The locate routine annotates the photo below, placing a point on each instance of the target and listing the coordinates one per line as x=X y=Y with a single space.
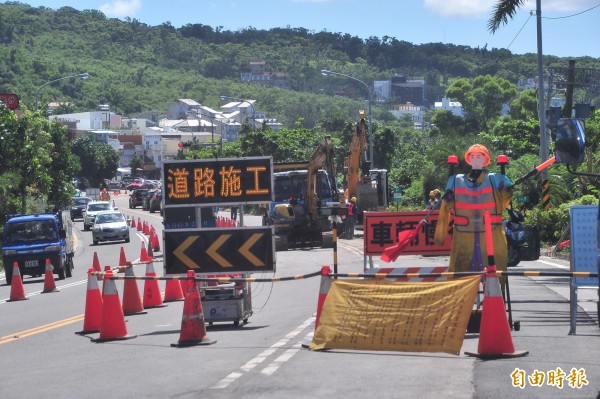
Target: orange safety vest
x=351 y=209
x=470 y=204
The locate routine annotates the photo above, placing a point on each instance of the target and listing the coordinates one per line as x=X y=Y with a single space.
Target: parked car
x=110 y=226
x=156 y=202
x=146 y=199
x=91 y=210
x=79 y=204
x=136 y=196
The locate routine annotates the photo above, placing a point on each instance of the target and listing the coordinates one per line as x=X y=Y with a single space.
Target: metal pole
x=84 y=75
x=541 y=107
x=328 y=72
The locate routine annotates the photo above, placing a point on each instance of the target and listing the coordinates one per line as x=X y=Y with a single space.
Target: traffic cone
x=112 y=326
x=143 y=254
x=495 y=338
x=149 y=250
x=152 y=295
x=323 y=291
x=17 y=291
x=96 y=266
x=133 y=223
x=173 y=291
x=107 y=269
x=155 y=242
x=49 y=284
x=193 y=328
x=123 y=261
x=146 y=230
x=93 y=306
x=139 y=225
x=132 y=302
x=114 y=206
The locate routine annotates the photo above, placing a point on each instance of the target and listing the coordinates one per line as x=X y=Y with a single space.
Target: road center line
x=40 y=329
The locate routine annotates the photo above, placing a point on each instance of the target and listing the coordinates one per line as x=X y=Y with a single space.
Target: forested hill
x=137 y=67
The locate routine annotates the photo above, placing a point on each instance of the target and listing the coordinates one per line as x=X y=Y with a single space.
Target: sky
x=570 y=28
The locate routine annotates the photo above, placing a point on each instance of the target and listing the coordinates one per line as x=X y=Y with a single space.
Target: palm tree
x=503 y=10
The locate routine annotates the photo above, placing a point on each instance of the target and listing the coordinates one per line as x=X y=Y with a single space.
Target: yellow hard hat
x=478 y=148
x=353 y=199
x=431 y=193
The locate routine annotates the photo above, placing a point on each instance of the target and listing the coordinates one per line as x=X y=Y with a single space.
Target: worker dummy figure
x=434 y=197
x=468 y=197
x=104 y=195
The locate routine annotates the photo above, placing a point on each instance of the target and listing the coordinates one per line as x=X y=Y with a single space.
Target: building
x=400 y=90
x=447 y=104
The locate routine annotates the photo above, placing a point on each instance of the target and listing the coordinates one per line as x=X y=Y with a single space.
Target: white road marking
x=555 y=264
x=58 y=287
x=269 y=370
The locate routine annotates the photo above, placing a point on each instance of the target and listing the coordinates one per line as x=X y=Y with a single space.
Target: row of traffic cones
x=17 y=290
x=148 y=230
x=226 y=222
x=105 y=314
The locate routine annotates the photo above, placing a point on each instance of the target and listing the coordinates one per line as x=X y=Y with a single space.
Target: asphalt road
x=43 y=357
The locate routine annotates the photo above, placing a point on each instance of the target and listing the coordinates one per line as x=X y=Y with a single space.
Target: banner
x=392 y=316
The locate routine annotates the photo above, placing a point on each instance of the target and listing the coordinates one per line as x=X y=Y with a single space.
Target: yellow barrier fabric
x=396 y=316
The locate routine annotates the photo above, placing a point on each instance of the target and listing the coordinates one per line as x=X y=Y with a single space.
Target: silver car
x=92 y=209
x=110 y=226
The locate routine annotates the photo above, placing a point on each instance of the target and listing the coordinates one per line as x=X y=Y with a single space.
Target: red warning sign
x=381 y=231
x=11 y=100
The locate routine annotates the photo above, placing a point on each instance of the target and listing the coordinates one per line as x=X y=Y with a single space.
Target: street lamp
x=84 y=75
x=212 y=128
x=223 y=98
x=326 y=72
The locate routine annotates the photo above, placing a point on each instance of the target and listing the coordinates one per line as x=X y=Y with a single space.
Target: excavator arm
x=323 y=158
x=356 y=164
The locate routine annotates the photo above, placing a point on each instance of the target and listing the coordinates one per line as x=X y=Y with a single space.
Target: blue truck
x=31 y=239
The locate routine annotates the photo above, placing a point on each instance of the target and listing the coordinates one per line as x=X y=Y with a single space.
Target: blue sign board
x=584 y=243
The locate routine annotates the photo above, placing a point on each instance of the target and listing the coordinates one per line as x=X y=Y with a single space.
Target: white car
x=92 y=209
x=110 y=226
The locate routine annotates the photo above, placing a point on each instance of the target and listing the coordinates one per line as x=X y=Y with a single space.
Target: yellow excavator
x=305 y=194
x=369 y=186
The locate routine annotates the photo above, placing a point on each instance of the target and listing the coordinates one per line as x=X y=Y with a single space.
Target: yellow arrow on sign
x=183 y=257
x=212 y=251
x=245 y=249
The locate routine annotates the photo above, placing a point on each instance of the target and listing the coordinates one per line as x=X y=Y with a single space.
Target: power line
x=573 y=15
x=519 y=32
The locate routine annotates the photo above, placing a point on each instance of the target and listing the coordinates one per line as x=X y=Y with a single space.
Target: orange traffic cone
x=143 y=254
x=193 y=328
x=49 y=284
x=155 y=242
x=173 y=291
x=93 y=306
x=133 y=223
x=96 y=266
x=112 y=326
x=323 y=291
x=152 y=295
x=139 y=225
x=17 y=291
x=495 y=339
x=107 y=269
x=146 y=229
x=149 y=250
x=122 y=260
x=132 y=302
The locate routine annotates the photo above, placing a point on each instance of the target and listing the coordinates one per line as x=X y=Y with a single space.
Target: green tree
x=135 y=164
x=98 y=160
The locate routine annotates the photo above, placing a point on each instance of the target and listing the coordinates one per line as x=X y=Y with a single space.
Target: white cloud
x=121 y=8
x=477 y=8
x=460 y=8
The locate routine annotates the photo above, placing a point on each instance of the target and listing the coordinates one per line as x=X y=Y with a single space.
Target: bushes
x=553 y=222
